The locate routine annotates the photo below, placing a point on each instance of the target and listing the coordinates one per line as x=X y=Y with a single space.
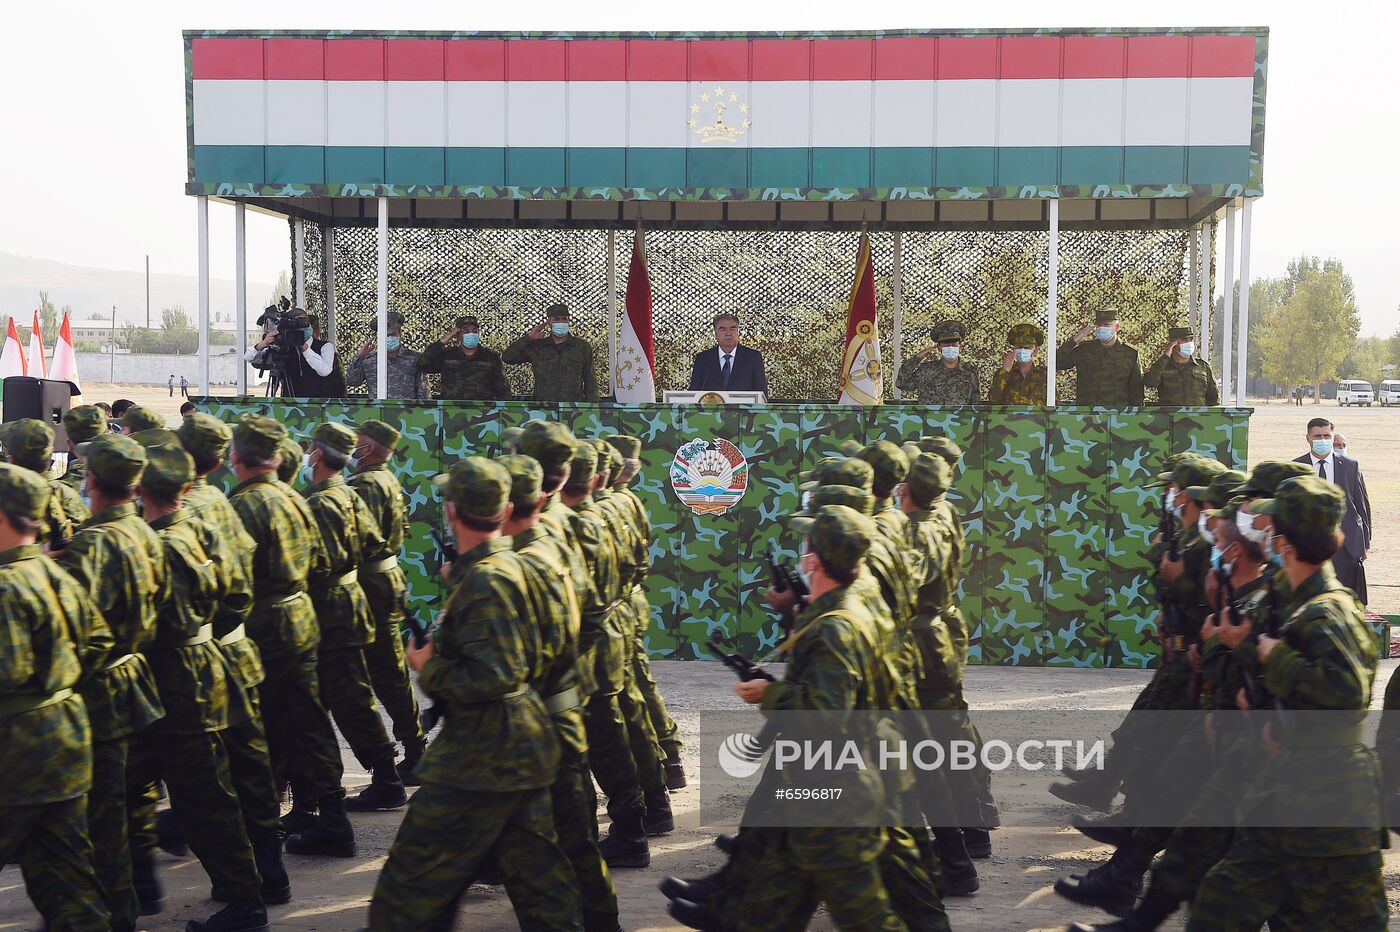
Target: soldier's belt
x=205 y=635
x=379 y=566
x=120 y=661
x=268 y=601
x=344 y=579
x=28 y=702
x=562 y=701
x=234 y=636
x=921 y=623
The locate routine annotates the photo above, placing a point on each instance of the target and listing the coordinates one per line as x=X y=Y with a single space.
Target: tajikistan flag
x=635 y=366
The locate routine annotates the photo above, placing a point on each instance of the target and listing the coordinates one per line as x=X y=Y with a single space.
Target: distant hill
x=91 y=291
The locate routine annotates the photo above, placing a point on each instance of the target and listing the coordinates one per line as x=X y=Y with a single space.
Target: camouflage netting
x=789 y=289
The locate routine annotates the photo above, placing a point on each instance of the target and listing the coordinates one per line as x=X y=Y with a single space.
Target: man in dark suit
x=728 y=367
x=1350 y=559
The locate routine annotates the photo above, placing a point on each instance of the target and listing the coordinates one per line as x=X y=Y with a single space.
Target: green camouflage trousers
x=972 y=789
x=384 y=657
x=1256 y=881
x=51 y=844
x=667 y=734
x=299 y=734
x=196 y=772
x=347 y=694
x=574 y=805
x=610 y=756
x=250 y=770
x=107 y=824
x=908 y=869
x=442 y=841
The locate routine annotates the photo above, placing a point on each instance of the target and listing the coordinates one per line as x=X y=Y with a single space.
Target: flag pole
x=897 y=298
x=612 y=311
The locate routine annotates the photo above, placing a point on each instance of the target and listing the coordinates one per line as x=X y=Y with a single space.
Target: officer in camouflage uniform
x=120 y=562
x=555 y=611
x=347 y=625
x=185 y=748
x=283 y=623
x=405 y=378
x=293 y=457
x=470 y=371
x=1180 y=376
x=667 y=734
x=206 y=439
x=1324 y=659
x=138 y=418
x=1106 y=369
x=1020 y=380
x=80 y=424
x=562 y=364
x=29 y=443
x=946 y=379
x=486 y=777
x=385 y=586
x=53 y=639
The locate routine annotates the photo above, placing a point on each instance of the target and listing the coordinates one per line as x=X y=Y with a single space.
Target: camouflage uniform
x=1104 y=375
x=186 y=748
x=53 y=637
x=29 y=443
x=385 y=585
x=137 y=419
x=119 y=560
x=563 y=371
x=486 y=777
x=1186 y=384
x=404 y=367
x=81 y=424
x=283 y=623
x=478 y=377
x=936 y=383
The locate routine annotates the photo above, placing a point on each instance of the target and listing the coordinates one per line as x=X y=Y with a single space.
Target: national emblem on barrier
x=709 y=479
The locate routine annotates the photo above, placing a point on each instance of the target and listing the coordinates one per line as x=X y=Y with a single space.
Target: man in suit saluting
x=728 y=367
x=1350 y=559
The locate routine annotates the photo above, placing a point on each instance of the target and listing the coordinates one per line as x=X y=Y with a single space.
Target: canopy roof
x=1130 y=127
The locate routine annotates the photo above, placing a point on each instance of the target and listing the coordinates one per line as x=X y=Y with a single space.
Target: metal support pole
x=328 y=241
x=1052 y=301
x=1243 y=332
x=381 y=341
x=612 y=309
x=299 y=262
x=898 y=300
x=1193 y=277
x=148 y=291
x=1227 y=279
x=202 y=229
x=1207 y=287
x=240 y=292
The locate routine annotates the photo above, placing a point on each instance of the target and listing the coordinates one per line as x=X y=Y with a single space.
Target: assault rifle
x=429 y=715
x=746 y=670
x=447 y=548
x=1169 y=530
x=785 y=578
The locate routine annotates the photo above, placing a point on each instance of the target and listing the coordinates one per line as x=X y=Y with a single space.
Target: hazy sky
x=93 y=145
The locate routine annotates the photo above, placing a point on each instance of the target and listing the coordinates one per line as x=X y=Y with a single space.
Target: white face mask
x=802 y=569
x=1171 y=500
x=1206 y=534
x=950 y=353
x=1244 y=521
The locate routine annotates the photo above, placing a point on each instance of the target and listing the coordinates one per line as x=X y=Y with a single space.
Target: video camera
x=292 y=329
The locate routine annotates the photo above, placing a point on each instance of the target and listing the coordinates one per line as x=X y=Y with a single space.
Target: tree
x=177 y=334
x=1364 y=361
x=1305 y=342
x=282 y=288
x=48 y=317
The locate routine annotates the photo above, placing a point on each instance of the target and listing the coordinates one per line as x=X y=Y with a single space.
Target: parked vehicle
x=1389 y=393
x=1355 y=392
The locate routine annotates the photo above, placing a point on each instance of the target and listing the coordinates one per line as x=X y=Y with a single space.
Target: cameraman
x=310 y=363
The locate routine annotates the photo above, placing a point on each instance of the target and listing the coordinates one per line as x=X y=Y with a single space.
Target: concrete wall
x=155 y=368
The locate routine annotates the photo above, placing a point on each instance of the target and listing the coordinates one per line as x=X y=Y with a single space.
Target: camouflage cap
x=605 y=453
x=29 y=441
x=1196 y=470
x=466 y=320
x=851 y=497
x=814 y=474
x=115 y=460
x=168 y=470
x=1267 y=476
x=84 y=422
x=583 y=464
x=889 y=462
x=1222 y=487
x=1178 y=333
x=851 y=471
x=381 y=433
x=204 y=435
x=1104 y=318
x=930 y=476
x=948 y=330
x=839 y=535
x=526 y=477
x=1227 y=510
x=26 y=493
x=138 y=417
x=549 y=443
x=941 y=446
x=476 y=486
x=157 y=437
x=558 y=310
x=629 y=447
x=395 y=322
x=292 y=455
x=1305 y=503
x=1169 y=464
x=338 y=437
x=1025 y=335
x=259 y=434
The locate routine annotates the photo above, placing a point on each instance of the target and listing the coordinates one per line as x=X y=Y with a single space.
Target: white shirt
x=321 y=363
x=1327 y=467
x=723 y=354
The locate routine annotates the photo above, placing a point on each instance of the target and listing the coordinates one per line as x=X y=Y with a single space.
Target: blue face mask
x=308 y=476
x=1103 y=334
x=950 y=353
x=471 y=340
x=1023 y=356
x=1187 y=349
x=1275 y=557
x=559 y=329
x=87 y=499
x=1322 y=446
x=1217 y=558
x=392 y=344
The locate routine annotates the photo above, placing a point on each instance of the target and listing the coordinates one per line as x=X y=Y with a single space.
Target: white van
x=1354 y=392
x=1389 y=393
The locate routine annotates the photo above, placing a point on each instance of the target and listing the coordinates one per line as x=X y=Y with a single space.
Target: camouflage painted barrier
x=1054 y=501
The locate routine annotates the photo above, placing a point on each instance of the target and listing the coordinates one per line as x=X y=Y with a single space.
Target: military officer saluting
x=1106 y=368
x=1180 y=376
x=1020 y=380
x=938 y=374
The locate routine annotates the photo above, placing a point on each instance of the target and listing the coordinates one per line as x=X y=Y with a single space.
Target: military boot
x=303 y=814
x=978 y=842
x=959 y=873
x=412 y=754
x=1103 y=831
x=728 y=842
x=625 y=844
x=331 y=836
x=149 y=894
x=169 y=838
x=692 y=915
x=242 y=916
x=675 y=773
x=276 y=885
x=600 y=922
x=659 y=820
x=1094 y=792
x=384 y=792
x=697 y=891
x=1112 y=887
x=1149 y=915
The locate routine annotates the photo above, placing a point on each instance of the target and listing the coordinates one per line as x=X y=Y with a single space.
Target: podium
x=714 y=398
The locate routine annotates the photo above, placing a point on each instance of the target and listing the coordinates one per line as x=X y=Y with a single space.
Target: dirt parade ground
x=1016 y=891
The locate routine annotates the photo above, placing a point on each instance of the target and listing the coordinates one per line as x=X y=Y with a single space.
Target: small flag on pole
x=65 y=361
x=36 y=351
x=635 y=366
x=12 y=361
x=862 y=382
